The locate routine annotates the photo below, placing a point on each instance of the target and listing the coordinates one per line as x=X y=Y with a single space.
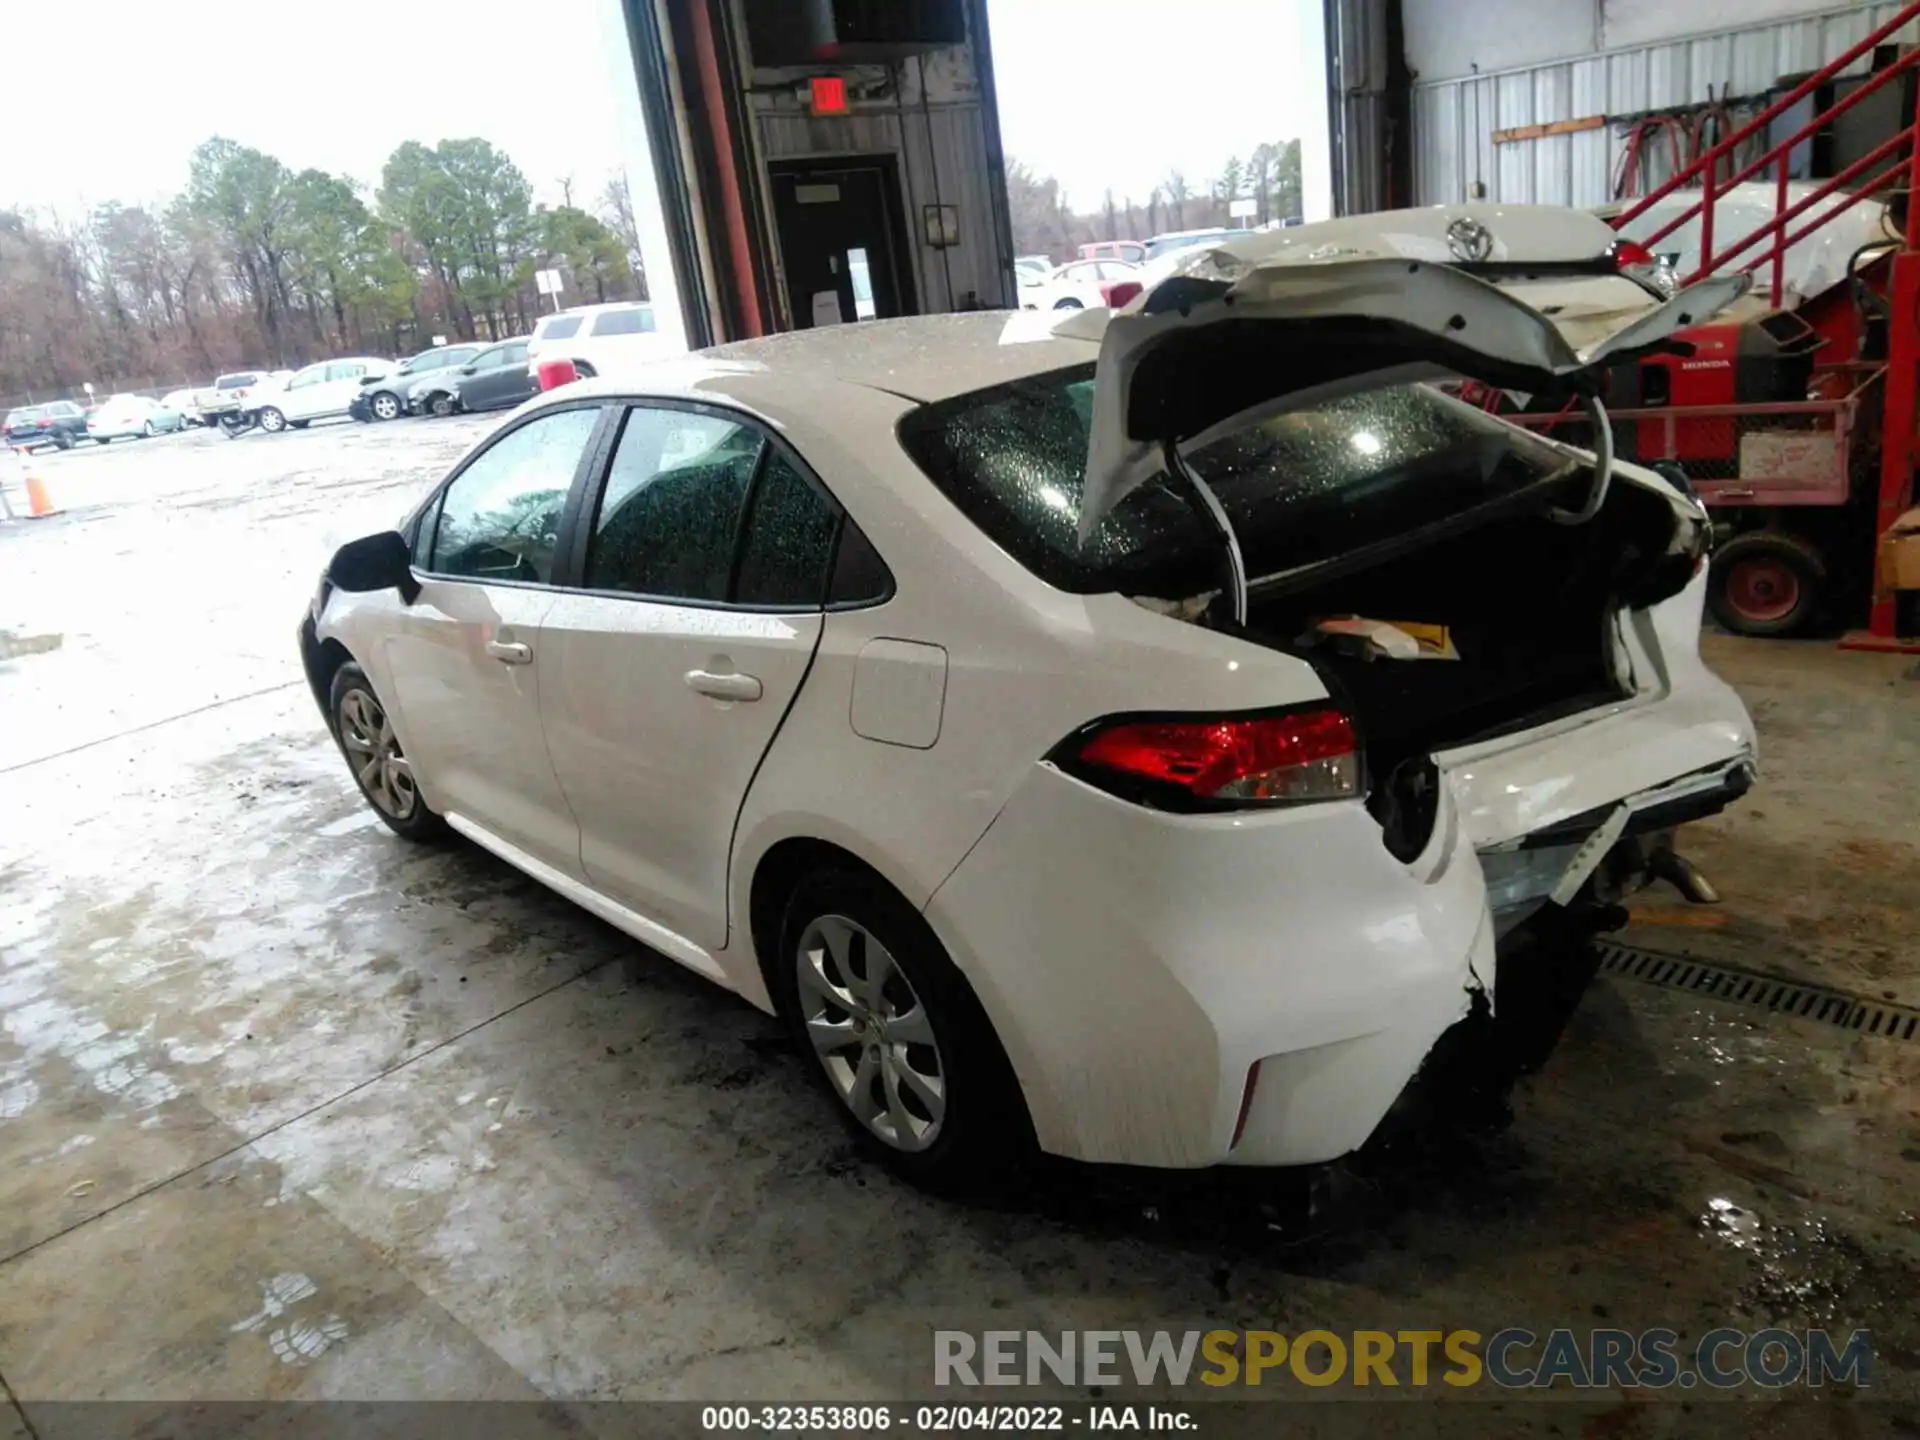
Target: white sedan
x=1103 y=732
x=1080 y=285
x=122 y=417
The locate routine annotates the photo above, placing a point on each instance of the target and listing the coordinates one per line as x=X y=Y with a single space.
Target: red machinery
x=1798 y=428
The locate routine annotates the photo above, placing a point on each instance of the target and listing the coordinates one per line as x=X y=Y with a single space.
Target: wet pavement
x=290 y=1109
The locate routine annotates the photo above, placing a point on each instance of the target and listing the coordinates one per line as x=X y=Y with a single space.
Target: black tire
x=148 y=431
x=385 y=406
x=584 y=370
x=417 y=822
x=299 y=424
x=63 y=442
x=441 y=404
x=984 y=1132
x=271 y=420
x=1068 y=304
x=1767 y=583
x=103 y=439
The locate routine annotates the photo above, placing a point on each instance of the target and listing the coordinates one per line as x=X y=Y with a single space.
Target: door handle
x=510 y=652
x=725 y=687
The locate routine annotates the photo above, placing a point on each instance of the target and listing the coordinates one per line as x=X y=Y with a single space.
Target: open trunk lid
x=1240 y=332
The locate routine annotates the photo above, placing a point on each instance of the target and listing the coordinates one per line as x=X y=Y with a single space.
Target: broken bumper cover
x=1138 y=967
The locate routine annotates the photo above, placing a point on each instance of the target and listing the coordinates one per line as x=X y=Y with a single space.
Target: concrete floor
x=291 y=1109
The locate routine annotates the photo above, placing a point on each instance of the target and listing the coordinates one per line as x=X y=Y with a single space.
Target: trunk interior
x=1527 y=604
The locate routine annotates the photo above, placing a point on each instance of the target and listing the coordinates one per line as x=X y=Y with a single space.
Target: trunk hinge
x=1602 y=466
x=1236 y=562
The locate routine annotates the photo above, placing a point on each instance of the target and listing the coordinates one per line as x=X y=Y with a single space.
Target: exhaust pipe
x=1684 y=876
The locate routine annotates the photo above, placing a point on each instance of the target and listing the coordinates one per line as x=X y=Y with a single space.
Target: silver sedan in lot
x=124 y=417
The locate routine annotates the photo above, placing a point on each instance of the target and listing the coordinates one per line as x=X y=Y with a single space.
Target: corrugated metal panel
x=953 y=166
x=1578 y=169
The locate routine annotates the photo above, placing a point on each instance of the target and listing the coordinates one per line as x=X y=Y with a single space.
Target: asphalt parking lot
x=291 y=1110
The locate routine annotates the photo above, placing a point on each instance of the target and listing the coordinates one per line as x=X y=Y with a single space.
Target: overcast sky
x=1118 y=92
x=1094 y=92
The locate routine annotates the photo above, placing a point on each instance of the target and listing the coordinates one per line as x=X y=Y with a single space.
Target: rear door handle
x=725 y=687
x=510 y=652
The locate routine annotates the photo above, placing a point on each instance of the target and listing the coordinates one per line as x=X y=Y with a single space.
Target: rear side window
x=789 y=540
x=1300 y=487
x=500 y=517
x=670 y=512
x=564 y=327
x=622 y=322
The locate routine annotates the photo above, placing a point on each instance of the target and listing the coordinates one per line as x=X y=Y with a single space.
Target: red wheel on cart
x=1767 y=583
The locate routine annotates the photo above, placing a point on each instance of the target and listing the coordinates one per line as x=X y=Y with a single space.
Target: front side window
x=638 y=321
x=671 y=509
x=500 y=517
x=346 y=370
x=1299 y=487
x=312 y=375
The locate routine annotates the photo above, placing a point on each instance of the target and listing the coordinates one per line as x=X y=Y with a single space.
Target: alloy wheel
x=373 y=750
x=385 y=407
x=871 y=1033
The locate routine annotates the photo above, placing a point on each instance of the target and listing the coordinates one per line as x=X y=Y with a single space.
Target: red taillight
x=44 y=423
x=1630 y=252
x=1293 y=756
x=555 y=373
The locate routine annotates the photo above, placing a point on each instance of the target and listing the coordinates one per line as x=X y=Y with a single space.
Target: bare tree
x=1178 y=193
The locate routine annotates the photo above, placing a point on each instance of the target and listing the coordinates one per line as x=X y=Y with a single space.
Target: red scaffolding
x=1713 y=172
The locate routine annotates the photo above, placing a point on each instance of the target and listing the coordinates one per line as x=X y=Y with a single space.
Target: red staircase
x=1714 y=171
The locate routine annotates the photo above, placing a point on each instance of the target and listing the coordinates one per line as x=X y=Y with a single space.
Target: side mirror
x=469 y=369
x=375 y=562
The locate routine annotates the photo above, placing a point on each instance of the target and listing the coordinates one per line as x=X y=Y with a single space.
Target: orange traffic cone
x=39 y=503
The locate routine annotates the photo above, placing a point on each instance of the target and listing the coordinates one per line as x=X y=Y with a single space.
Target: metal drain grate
x=1745 y=987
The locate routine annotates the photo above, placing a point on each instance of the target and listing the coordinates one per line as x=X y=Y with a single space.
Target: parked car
x=123 y=417
x=495 y=379
x=317 y=392
x=384 y=397
x=229 y=394
x=1134 y=252
x=1159 y=245
x=1036 y=265
x=34 y=427
x=1078 y=285
x=186 y=402
x=596 y=337
x=1098 y=731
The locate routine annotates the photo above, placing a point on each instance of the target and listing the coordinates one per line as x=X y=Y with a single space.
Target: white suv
x=597 y=337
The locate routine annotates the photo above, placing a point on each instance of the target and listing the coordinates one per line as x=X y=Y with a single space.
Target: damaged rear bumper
x=1143 y=968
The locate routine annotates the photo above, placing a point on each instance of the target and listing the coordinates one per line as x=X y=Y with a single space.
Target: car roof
x=921 y=357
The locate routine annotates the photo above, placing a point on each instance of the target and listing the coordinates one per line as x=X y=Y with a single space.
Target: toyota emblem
x=1470 y=241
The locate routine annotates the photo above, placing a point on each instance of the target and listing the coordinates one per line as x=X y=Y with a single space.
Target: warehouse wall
x=940 y=146
x=1447 y=39
x=1454 y=120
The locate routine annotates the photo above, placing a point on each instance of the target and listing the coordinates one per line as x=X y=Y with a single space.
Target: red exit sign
x=827 y=95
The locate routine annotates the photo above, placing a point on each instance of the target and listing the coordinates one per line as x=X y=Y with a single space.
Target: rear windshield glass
x=234 y=382
x=1301 y=487
x=565 y=328
x=623 y=322
x=21 y=417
